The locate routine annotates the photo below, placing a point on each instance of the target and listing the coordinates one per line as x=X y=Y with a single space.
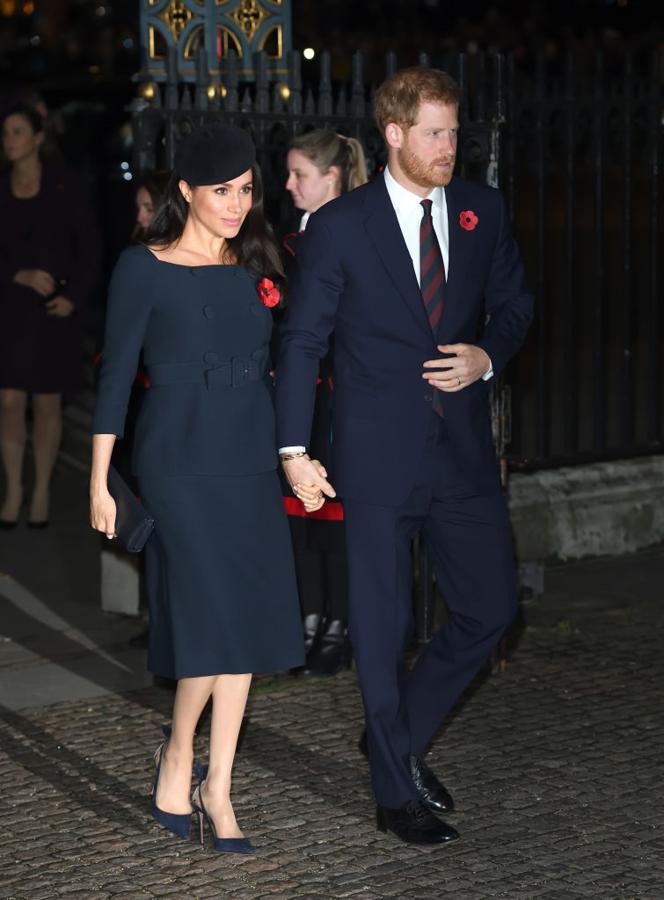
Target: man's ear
x=394 y=135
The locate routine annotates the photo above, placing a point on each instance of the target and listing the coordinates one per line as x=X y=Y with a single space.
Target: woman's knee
x=46 y=406
x=12 y=401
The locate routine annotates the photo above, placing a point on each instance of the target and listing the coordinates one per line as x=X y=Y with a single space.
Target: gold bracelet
x=284 y=457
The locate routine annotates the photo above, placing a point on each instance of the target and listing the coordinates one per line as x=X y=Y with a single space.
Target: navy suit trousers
x=468 y=536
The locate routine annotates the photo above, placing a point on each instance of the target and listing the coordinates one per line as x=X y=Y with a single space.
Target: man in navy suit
x=419 y=278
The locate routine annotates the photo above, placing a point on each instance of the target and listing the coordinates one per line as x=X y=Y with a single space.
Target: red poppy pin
x=269 y=294
x=468 y=220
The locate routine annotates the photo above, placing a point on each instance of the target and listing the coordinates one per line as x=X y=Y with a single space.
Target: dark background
x=80 y=55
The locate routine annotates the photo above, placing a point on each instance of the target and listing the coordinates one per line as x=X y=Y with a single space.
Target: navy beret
x=214 y=154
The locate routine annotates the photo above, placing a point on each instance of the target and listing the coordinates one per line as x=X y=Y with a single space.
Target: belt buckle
x=240 y=371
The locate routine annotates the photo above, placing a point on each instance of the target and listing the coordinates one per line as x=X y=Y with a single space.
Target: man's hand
x=468 y=364
x=59 y=306
x=308 y=480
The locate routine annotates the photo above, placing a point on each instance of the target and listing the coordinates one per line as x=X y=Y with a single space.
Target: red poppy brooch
x=268 y=292
x=468 y=220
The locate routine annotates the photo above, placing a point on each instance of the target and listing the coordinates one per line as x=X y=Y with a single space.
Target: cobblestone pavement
x=556 y=765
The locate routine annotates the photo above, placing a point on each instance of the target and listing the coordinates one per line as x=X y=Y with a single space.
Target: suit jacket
x=355 y=278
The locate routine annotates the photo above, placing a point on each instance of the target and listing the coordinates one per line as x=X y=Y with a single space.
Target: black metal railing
x=582 y=176
x=575 y=145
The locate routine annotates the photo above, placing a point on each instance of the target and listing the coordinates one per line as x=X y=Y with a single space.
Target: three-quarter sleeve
x=127 y=316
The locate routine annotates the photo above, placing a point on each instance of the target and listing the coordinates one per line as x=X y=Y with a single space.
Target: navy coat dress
x=219 y=569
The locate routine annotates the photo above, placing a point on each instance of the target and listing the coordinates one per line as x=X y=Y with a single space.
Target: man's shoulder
x=339 y=209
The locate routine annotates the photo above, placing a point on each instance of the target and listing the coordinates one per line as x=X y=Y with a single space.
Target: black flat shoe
x=332 y=653
x=8 y=524
x=431 y=790
x=414 y=823
x=43 y=524
x=312 y=625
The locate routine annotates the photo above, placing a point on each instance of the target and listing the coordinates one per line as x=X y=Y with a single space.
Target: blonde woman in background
x=322 y=165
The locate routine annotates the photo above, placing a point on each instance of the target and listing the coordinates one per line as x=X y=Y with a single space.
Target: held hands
x=59 y=306
x=468 y=364
x=36 y=279
x=308 y=479
x=102 y=513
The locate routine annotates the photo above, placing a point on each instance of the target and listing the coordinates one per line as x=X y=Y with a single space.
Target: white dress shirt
x=408 y=207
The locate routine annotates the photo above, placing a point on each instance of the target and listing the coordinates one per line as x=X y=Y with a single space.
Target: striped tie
x=432 y=280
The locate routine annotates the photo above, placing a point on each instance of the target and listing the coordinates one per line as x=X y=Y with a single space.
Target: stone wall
x=593 y=510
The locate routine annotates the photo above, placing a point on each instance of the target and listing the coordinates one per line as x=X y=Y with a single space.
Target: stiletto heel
x=222 y=845
x=179 y=824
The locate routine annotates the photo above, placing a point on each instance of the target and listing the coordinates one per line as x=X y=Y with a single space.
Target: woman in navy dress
x=219 y=570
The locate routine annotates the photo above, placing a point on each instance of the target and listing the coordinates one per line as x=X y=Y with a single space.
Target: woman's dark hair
x=254 y=247
x=155 y=183
x=35 y=119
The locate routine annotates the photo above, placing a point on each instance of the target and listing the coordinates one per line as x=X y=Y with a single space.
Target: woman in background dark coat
x=49 y=251
x=322 y=165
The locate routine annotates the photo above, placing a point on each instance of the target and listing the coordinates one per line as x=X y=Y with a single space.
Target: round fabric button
x=209 y=312
x=210 y=357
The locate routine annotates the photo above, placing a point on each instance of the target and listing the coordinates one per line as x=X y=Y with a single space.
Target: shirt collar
x=403 y=200
x=304 y=220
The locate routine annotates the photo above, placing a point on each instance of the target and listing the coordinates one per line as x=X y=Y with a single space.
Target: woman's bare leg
x=46 y=435
x=229 y=698
x=174 y=790
x=12 y=448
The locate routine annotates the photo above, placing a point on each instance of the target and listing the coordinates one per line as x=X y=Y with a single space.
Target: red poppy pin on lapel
x=468 y=220
x=268 y=293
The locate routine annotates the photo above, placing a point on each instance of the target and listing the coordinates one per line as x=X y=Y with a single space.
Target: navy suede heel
x=178 y=824
x=222 y=845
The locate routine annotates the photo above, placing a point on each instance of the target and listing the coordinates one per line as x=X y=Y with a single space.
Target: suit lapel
x=460 y=251
x=383 y=229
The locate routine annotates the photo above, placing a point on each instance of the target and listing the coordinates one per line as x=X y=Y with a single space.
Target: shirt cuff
x=489 y=373
x=294 y=449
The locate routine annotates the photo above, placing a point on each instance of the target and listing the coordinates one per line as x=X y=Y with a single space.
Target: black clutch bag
x=133 y=523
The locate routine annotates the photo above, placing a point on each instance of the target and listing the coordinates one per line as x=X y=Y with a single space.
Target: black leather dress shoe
x=431 y=790
x=435 y=795
x=414 y=823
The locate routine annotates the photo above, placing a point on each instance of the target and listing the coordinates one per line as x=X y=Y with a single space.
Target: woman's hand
x=102 y=513
x=37 y=279
x=59 y=306
x=311 y=494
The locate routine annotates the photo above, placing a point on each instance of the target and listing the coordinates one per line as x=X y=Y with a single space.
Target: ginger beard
x=437 y=173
